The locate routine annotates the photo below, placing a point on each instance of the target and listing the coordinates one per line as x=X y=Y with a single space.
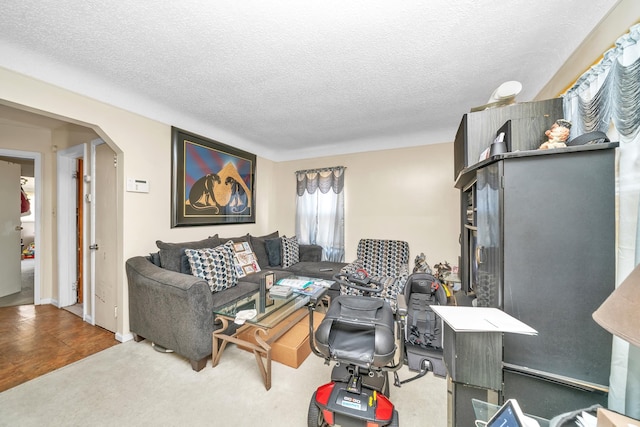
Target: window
x=320 y=210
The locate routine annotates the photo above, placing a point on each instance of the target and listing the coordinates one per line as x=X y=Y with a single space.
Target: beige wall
x=405 y=194
x=602 y=38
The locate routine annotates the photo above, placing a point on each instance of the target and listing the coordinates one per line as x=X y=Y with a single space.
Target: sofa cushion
x=259 y=247
x=258 y=277
x=171 y=253
x=290 y=251
x=215 y=265
x=320 y=270
x=274 y=251
x=310 y=253
x=242 y=289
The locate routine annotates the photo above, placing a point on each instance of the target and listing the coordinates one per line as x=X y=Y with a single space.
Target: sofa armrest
x=172 y=309
x=310 y=253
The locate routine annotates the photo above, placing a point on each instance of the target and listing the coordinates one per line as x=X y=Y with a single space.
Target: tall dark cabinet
x=538 y=241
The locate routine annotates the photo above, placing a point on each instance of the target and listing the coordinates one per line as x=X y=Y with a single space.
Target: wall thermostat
x=137 y=185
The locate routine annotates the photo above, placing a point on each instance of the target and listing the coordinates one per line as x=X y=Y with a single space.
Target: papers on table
x=295 y=283
x=304 y=282
x=481 y=319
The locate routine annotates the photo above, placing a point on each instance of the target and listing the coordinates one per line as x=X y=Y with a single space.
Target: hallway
x=37 y=339
x=25 y=296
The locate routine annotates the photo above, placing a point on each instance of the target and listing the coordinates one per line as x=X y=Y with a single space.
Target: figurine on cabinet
x=558 y=135
x=421 y=265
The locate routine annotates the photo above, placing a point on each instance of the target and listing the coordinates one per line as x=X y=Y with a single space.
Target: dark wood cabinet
x=538 y=241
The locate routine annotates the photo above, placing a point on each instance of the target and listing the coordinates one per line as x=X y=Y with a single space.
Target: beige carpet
x=131 y=384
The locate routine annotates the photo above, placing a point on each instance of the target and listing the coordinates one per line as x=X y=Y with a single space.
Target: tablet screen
x=507 y=416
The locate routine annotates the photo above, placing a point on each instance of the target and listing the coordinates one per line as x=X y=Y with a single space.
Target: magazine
x=310 y=290
x=295 y=283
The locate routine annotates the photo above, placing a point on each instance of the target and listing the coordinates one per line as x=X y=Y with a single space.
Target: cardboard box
x=607 y=418
x=292 y=348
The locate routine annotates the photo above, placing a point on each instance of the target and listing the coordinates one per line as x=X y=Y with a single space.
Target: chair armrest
x=401 y=305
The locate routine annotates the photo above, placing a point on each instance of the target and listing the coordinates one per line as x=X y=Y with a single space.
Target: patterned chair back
x=383 y=257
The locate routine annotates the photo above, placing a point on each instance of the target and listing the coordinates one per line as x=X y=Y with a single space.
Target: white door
x=103 y=241
x=10 y=227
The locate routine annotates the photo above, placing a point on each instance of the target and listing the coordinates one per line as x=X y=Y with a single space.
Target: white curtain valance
x=609 y=91
x=324 y=179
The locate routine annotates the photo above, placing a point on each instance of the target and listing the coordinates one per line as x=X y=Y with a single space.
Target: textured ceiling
x=292 y=79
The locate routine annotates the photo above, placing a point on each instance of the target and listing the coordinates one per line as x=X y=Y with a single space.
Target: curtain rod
x=332 y=168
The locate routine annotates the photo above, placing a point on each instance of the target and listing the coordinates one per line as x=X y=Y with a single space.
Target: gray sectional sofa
x=174 y=309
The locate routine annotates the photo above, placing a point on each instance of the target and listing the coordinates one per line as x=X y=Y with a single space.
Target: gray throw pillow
x=154 y=257
x=259 y=247
x=171 y=253
x=274 y=248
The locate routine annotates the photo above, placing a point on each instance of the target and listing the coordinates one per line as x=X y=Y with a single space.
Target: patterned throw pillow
x=290 y=251
x=215 y=265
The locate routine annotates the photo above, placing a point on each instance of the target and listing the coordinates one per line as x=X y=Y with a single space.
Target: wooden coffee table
x=282 y=312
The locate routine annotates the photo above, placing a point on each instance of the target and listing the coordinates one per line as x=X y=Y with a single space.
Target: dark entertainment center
x=537 y=241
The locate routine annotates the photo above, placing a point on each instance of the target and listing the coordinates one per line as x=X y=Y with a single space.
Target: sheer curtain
x=607 y=98
x=320 y=210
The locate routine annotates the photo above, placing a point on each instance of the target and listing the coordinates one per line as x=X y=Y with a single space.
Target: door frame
x=92 y=226
x=37 y=172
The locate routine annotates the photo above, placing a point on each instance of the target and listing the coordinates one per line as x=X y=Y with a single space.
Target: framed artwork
x=211 y=183
x=269 y=279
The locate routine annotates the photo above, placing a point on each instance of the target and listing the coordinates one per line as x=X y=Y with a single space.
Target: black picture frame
x=269 y=279
x=211 y=183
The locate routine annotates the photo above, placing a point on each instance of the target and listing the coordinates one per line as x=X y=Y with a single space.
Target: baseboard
x=124 y=337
